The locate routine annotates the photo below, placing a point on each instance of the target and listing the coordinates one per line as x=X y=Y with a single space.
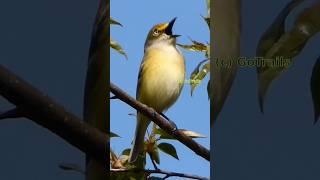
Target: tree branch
x=161 y=122
x=158 y=171
x=45 y=112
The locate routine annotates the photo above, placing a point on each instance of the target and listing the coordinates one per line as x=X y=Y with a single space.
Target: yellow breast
x=162 y=77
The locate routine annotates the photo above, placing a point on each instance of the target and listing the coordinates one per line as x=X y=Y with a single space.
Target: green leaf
x=315 y=89
x=168 y=149
x=112 y=135
x=287 y=47
x=154 y=155
x=162 y=133
x=197 y=75
x=116 y=46
x=126 y=151
x=114 y=22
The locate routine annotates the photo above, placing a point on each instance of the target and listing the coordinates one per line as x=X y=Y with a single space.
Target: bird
x=160 y=79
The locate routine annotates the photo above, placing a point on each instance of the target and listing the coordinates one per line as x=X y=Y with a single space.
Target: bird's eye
x=156 y=32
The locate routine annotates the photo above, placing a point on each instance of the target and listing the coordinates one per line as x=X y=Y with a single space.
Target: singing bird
x=160 y=80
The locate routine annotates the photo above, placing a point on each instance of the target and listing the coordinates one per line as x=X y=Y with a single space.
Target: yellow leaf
x=116 y=46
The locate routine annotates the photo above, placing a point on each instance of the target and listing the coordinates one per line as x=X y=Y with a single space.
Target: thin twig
x=12 y=113
x=161 y=122
x=113 y=97
x=159 y=171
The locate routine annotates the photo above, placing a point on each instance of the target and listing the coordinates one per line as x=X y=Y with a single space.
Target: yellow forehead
x=162 y=26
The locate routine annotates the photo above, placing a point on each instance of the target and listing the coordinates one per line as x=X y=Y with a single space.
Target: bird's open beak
x=169 y=28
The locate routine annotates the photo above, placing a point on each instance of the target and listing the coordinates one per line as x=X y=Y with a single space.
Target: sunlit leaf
x=315 y=89
x=198 y=74
x=114 y=45
x=192 y=134
x=112 y=21
x=287 y=47
x=168 y=149
x=164 y=135
x=195 y=46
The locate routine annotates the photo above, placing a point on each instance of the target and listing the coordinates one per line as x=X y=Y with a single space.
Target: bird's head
x=161 y=33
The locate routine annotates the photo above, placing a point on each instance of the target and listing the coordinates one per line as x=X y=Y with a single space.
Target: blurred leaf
x=226 y=33
x=197 y=75
x=168 y=149
x=71 y=167
x=113 y=135
x=209 y=90
x=208 y=52
x=315 y=89
x=112 y=21
x=164 y=135
x=114 y=45
x=270 y=37
x=126 y=151
x=308 y=22
x=287 y=47
x=276 y=29
x=208 y=7
x=95 y=112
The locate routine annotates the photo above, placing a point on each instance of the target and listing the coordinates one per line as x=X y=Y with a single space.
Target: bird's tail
x=138 y=142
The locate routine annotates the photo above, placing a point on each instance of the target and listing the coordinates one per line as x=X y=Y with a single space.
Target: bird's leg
x=171 y=122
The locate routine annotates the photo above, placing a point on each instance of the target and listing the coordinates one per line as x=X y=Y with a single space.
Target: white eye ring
x=156 y=32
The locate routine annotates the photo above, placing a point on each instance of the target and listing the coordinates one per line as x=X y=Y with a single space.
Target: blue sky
x=189 y=112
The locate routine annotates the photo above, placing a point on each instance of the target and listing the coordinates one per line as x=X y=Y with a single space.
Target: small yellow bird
x=160 y=80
